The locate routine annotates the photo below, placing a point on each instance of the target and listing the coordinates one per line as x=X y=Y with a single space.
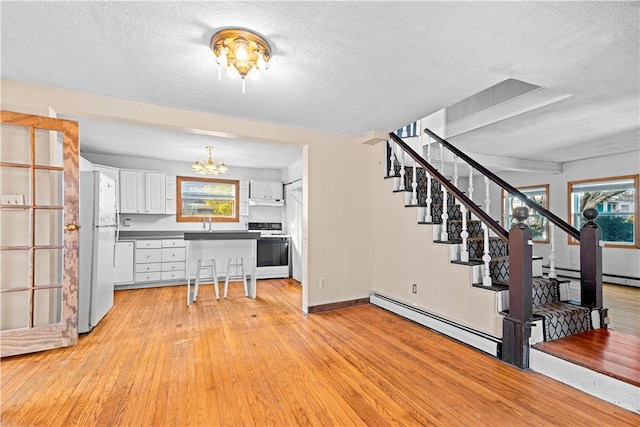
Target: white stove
x=273 y=250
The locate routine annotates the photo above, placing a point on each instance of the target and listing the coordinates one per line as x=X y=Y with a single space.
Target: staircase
x=479 y=242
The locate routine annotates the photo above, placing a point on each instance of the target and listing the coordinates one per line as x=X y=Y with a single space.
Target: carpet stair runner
x=560 y=319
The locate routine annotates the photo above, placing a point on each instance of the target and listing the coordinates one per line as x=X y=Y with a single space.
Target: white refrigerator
x=98 y=229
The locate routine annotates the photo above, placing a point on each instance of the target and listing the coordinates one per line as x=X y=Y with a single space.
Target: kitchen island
x=221 y=248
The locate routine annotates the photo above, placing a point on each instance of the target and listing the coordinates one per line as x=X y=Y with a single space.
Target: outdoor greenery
x=616 y=228
x=220 y=207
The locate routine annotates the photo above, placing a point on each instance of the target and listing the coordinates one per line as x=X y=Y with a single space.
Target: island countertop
x=182 y=234
x=222 y=235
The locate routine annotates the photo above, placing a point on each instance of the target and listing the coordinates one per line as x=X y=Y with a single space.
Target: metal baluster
x=444 y=233
x=486 y=280
x=428 y=217
x=552 y=252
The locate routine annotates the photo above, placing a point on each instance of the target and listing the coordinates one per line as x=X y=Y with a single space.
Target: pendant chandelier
x=210 y=167
x=242 y=52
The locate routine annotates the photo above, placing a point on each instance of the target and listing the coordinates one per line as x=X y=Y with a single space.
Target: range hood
x=265 y=202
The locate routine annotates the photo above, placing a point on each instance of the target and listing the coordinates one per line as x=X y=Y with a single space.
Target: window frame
x=505 y=216
x=636 y=226
x=198 y=218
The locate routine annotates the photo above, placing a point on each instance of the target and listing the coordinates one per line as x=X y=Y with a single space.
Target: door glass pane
x=14 y=144
x=14 y=310
x=48 y=148
x=48 y=227
x=14 y=227
x=47 y=306
x=14 y=182
x=15 y=269
x=48 y=188
x=48 y=267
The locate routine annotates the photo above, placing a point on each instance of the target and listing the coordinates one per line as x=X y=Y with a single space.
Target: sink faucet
x=210 y=229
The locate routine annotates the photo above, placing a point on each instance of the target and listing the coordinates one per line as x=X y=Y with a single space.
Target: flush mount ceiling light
x=210 y=167
x=241 y=52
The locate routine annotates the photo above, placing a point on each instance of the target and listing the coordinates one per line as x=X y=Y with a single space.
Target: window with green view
x=199 y=198
x=615 y=199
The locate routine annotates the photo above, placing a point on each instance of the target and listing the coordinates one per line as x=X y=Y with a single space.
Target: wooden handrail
x=508 y=187
x=486 y=218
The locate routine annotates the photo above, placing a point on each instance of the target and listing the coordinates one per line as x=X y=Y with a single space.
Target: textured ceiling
x=347 y=67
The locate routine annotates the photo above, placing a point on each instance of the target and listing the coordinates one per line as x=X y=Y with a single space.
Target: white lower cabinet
x=159 y=260
x=148 y=260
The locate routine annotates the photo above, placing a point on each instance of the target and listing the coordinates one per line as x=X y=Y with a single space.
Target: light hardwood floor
x=155 y=361
x=623 y=303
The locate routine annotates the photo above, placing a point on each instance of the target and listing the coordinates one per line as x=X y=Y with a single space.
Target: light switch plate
x=13 y=199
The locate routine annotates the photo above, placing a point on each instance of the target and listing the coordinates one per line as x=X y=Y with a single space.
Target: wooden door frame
x=65 y=333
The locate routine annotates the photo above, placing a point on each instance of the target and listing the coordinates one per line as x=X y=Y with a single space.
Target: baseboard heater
x=477 y=339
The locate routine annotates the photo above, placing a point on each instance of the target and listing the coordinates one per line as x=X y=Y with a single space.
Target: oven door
x=273 y=251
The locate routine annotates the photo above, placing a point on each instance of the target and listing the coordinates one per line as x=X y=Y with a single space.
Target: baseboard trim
x=614 y=279
x=337 y=305
x=474 y=338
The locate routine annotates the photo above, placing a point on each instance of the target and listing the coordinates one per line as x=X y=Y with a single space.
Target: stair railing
x=572 y=231
x=445 y=183
x=590 y=262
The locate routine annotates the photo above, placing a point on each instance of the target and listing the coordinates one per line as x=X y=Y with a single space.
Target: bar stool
x=214 y=274
x=244 y=276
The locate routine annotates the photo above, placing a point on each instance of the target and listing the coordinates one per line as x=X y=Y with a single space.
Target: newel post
x=590 y=261
x=516 y=327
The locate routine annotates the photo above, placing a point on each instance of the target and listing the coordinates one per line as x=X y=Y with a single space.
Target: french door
x=38 y=233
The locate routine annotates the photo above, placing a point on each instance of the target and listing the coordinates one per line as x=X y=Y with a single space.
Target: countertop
x=188 y=235
x=222 y=235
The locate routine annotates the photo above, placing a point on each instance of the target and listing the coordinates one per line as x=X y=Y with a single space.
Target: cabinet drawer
x=173 y=266
x=148 y=277
x=148 y=244
x=173 y=275
x=148 y=255
x=145 y=268
x=173 y=243
x=173 y=254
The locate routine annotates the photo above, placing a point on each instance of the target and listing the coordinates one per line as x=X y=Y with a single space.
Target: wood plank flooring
x=155 y=361
x=623 y=303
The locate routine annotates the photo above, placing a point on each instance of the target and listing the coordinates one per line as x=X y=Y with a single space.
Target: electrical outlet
x=323 y=282
x=13 y=199
x=414 y=289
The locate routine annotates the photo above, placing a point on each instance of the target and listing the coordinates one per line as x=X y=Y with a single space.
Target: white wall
x=625 y=262
x=404 y=254
x=337 y=179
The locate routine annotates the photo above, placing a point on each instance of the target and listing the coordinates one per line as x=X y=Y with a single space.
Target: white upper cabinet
x=265 y=190
x=155 y=195
x=142 y=192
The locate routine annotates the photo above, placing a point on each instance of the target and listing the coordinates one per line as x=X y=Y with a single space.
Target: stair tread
x=482 y=238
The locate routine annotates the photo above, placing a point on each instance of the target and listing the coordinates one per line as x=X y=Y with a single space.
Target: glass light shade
x=261 y=62
x=241 y=50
